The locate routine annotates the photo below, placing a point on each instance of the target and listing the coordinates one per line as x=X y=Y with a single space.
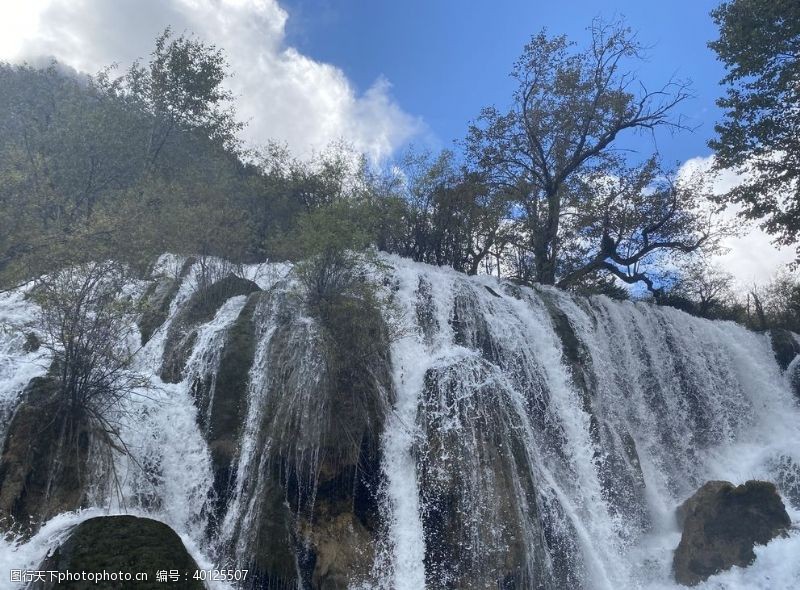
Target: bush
x=85 y=321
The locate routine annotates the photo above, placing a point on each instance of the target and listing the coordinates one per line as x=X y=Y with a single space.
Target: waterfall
x=501 y=437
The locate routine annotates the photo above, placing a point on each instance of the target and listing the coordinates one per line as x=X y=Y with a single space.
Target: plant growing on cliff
x=339 y=272
x=85 y=322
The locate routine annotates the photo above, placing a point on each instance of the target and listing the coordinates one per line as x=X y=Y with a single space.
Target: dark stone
x=222 y=414
x=793 y=375
x=156 y=302
x=124 y=544
x=492 y=291
x=426 y=310
x=577 y=359
x=273 y=560
x=784 y=346
x=517 y=540
x=37 y=479
x=317 y=469
x=201 y=308
x=32 y=342
x=721 y=525
x=470 y=328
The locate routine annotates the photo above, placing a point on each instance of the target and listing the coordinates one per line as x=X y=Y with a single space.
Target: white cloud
x=283 y=94
x=751 y=256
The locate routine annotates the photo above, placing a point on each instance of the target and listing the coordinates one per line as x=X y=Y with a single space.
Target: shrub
x=86 y=323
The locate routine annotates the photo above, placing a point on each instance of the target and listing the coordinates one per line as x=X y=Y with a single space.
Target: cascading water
x=504 y=437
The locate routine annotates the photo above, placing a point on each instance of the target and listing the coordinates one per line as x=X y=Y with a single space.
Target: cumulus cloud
x=282 y=94
x=750 y=256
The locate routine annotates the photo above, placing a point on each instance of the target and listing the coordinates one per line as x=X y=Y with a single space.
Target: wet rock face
x=122 y=544
x=316 y=472
x=32 y=488
x=784 y=346
x=794 y=379
x=222 y=414
x=156 y=303
x=200 y=308
x=721 y=525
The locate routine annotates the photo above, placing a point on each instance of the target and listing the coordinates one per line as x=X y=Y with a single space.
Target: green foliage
x=181 y=88
x=781 y=302
x=329 y=244
x=129 y=167
x=125 y=168
x=447 y=214
x=553 y=152
x=759 y=44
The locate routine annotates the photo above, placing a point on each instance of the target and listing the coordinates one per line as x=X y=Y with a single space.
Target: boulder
x=784 y=346
x=721 y=525
x=125 y=544
x=37 y=479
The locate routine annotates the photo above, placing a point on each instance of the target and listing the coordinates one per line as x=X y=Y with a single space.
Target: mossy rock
x=204 y=304
x=316 y=521
x=794 y=380
x=721 y=525
x=157 y=300
x=31 y=491
x=32 y=343
x=201 y=308
x=126 y=544
x=784 y=346
x=273 y=561
x=222 y=412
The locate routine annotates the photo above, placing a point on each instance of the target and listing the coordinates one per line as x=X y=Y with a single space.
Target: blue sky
x=312 y=72
x=447 y=59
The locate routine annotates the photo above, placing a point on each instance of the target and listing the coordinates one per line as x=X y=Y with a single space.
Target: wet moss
x=156 y=303
x=38 y=479
x=201 y=308
x=124 y=544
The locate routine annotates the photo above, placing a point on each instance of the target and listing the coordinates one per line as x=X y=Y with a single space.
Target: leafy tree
x=450 y=215
x=707 y=286
x=182 y=88
x=759 y=44
x=629 y=222
x=568 y=110
x=95 y=167
x=781 y=302
x=64 y=148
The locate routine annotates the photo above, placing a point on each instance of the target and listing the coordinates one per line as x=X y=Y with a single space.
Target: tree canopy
x=581 y=207
x=129 y=165
x=759 y=43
